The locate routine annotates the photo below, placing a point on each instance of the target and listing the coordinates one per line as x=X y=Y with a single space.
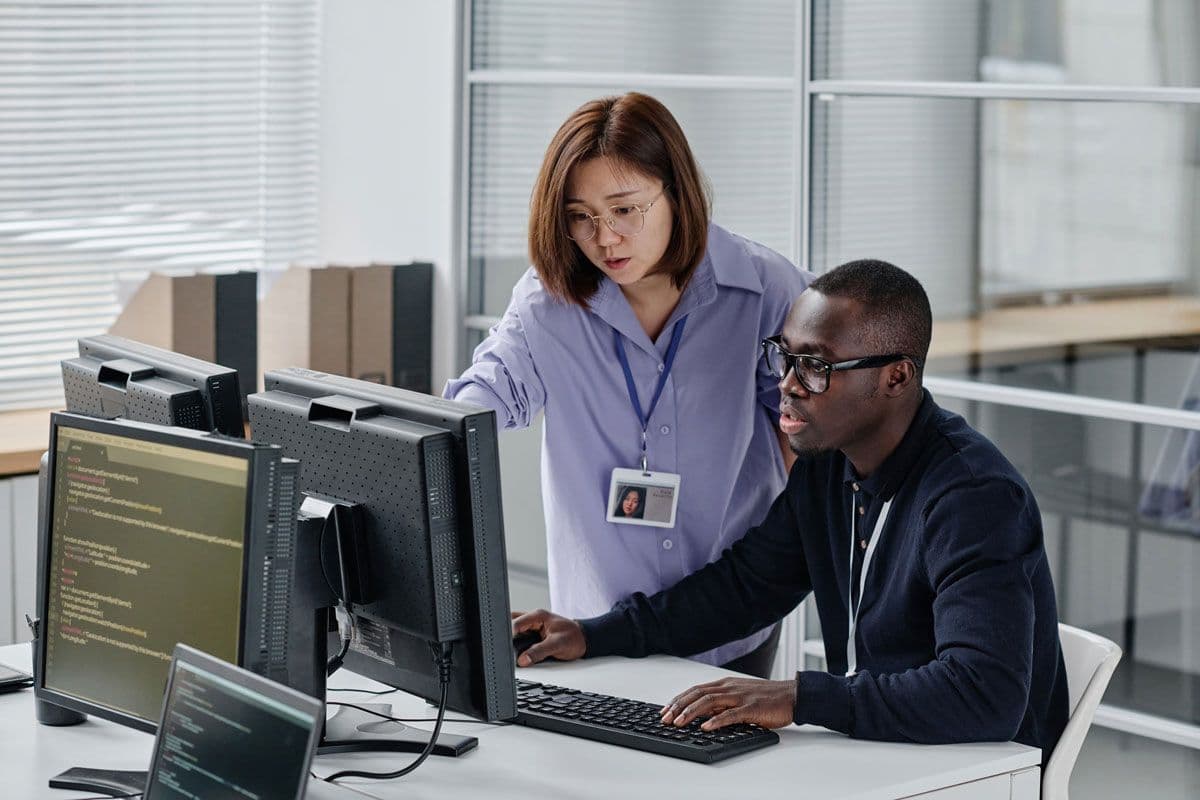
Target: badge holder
x=641 y=497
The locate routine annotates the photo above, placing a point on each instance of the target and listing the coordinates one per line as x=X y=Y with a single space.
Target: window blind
x=170 y=136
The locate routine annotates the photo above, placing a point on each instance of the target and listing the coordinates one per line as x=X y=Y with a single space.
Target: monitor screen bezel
x=157 y=434
x=297 y=701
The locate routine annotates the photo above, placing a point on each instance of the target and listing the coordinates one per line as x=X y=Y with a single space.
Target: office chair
x=1090 y=661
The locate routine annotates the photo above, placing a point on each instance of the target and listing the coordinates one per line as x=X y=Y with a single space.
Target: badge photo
x=643 y=498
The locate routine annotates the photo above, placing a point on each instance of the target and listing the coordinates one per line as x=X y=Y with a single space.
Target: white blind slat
x=134 y=137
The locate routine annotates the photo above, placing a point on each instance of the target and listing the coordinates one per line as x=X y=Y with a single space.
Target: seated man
x=920 y=542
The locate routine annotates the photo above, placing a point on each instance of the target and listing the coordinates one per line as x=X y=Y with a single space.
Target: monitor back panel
x=402 y=474
x=485 y=678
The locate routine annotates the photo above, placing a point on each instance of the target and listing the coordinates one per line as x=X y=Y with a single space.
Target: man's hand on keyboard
x=771 y=704
x=562 y=638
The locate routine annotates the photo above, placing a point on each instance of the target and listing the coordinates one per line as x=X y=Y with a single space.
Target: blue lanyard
x=672 y=348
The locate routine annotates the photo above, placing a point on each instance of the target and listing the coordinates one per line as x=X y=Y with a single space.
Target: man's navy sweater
x=957 y=633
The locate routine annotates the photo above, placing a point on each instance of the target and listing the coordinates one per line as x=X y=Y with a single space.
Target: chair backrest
x=1090 y=661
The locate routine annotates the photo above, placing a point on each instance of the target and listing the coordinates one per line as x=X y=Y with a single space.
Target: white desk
x=516 y=762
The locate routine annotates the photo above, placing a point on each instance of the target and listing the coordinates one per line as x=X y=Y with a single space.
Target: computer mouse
x=524 y=640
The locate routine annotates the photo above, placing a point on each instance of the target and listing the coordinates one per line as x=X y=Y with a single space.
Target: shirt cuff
x=608 y=634
x=824 y=699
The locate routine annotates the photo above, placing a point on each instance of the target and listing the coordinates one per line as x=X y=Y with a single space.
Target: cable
x=111 y=796
x=345 y=608
x=363 y=691
x=390 y=718
x=335 y=663
x=442 y=657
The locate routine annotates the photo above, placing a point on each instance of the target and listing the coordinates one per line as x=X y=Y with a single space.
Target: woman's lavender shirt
x=714 y=424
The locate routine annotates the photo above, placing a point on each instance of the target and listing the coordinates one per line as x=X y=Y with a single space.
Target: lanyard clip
x=645 y=463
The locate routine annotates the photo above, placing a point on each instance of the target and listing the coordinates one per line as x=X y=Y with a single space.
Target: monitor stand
x=108 y=782
x=350 y=730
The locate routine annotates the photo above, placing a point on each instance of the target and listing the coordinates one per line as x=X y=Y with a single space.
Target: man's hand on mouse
x=562 y=638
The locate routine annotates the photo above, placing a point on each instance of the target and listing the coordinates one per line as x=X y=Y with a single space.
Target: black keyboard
x=631 y=723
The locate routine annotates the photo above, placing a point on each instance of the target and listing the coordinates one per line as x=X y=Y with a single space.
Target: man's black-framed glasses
x=812 y=372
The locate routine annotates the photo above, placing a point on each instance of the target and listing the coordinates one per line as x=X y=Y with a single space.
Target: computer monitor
x=150 y=536
x=226 y=732
x=116 y=377
x=417 y=467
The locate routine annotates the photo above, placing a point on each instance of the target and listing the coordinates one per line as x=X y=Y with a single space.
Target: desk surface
x=23 y=437
x=516 y=762
x=1034 y=327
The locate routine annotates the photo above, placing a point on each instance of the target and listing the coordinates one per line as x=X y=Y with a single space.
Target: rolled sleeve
x=503 y=375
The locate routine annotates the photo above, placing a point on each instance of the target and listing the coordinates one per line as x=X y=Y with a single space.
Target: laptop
x=228 y=733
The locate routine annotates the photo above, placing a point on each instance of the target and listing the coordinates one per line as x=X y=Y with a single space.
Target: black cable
x=442 y=656
x=390 y=718
x=363 y=691
x=111 y=796
x=335 y=663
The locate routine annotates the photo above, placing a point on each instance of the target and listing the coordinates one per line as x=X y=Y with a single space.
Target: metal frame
x=1008 y=91
x=1064 y=403
x=794 y=631
x=1119 y=719
x=1112 y=717
x=795 y=646
x=469 y=321
x=653 y=80
x=459 y=275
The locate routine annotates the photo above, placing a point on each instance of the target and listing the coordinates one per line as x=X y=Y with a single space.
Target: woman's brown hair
x=639 y=133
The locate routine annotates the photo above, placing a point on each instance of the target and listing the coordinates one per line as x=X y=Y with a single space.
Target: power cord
x=361 y=691
x=346 y=624
x=441 y=657
x=390 y=718
x=344 y=608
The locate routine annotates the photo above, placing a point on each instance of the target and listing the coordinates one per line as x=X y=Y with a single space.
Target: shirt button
x=862 y=544
x=661 y=367
x=854 y=486
x=668 y=544
x=664 y=430
x=861 y=511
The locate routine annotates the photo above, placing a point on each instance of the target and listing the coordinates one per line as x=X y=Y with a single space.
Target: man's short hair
x=896 y=309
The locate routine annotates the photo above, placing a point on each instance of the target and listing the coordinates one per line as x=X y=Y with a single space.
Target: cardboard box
x=304 y=321
x=210 y=317
x=391 y=327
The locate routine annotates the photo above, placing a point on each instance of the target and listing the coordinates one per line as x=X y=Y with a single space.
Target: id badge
x=643 y=498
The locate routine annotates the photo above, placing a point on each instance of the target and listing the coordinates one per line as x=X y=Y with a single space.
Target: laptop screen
x=226 y=733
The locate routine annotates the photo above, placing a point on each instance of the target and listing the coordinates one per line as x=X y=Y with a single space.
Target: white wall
x=388 y=156
x=388 y=106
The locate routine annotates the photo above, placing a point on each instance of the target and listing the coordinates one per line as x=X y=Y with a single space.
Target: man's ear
x=899 y=378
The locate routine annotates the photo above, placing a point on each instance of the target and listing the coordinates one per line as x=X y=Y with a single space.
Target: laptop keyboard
x=631 y=723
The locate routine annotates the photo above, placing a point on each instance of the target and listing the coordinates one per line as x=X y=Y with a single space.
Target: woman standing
x=637 y=333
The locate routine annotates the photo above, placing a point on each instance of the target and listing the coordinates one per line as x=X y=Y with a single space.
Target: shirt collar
x=610 y=305
x=886 y=481
x=732 y=260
